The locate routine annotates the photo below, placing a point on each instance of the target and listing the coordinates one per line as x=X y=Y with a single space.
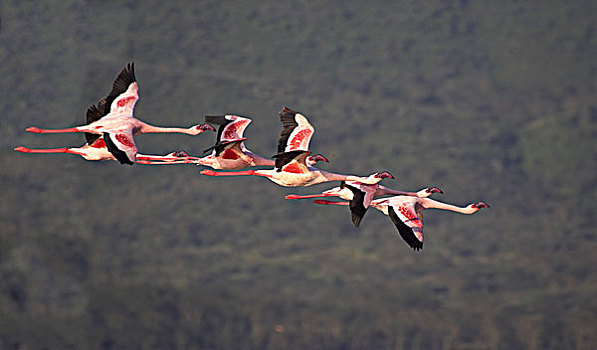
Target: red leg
x=46 y=150
x=166 y=162
x=321 y=201
x=209 y=172
x=296 y=196
x=50 y=131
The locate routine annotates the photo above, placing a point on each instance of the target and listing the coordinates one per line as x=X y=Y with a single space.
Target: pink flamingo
x=97 y=151
x=290 y=167
x=360 y=196
x=113 y=119
x=405 y=213
x=230 y=152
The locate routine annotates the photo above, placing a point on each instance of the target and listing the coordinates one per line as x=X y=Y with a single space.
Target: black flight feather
x=94 y=114
x=357 y=208
x=218 y=120
x=288 y=125
x=121 y=84
x=286 y=157
x=117 y=153
x=404 y=230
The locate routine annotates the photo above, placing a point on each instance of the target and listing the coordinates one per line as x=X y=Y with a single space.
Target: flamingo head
x=180 y=153
x=432 y=190
x=426 y=192
x=383 y=175
x=198 y=129
x=316 y=158
x=479 y=205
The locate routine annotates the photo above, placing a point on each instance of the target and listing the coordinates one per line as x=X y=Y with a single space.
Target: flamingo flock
x=111 y=127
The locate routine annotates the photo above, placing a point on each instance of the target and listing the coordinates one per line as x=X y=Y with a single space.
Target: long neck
x=336 y=177
x=145 y=128
x=259 y=160
x=433 y=204
x=382 y=190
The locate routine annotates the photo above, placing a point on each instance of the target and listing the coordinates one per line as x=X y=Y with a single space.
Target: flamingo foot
x=208 y=172
x=480 y=205
x=34 y=129
x=321 y=201
x=22 y=149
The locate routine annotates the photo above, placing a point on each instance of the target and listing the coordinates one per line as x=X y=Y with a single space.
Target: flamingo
x=113 y=119
x=230 y=152
x=405 y=213
x=97 y=151
x=290 y=166
x=360 y=196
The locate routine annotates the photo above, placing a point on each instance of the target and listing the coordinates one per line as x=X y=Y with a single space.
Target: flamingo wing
x=94 y=113
x=292 y=162
x=408 y=223
x=122 y=146
x=124 y=94
x=356 y=204
x=231 y=127
x=229 y=149
x=296 y=131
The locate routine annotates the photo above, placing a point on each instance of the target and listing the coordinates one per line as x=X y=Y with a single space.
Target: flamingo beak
x=384 y=175
x=480 y=205
x=318 y=158
x=181 y=153
x=435 y=190
x=205 y=127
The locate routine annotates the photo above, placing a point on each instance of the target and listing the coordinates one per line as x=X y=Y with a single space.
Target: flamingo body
x=405 y=213
x=113 y=119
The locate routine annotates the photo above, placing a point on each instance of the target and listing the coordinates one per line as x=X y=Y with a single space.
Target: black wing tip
x=117 y=153
x=216 y=119
x=356 y=219
x=405 y=231
x=286 y=110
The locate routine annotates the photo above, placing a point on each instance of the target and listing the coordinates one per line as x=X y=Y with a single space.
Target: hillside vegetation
x=493 y=101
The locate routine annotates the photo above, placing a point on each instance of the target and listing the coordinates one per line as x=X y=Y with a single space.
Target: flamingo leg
x=164 y=158
x=165 y=162
x=296 y=196
x=51 y=131
x=321 y=201
x=46 y=150
x=231 y=173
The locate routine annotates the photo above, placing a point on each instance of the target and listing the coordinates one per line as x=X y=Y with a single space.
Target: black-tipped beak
x=206 y=127
x=435 y=190
x=385 y=175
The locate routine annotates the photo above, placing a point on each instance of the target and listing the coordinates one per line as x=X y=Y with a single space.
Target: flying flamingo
x=113 y=119
x=360 y=195
x=97 y=151
x=230 y=152
x=290 y=167
x=405 y=212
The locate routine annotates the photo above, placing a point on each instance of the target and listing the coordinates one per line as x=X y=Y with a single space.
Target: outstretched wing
x=409 y=225
x=292 y=162
x=296 y=131
x=229 y=149
x=231 y=128
x=122 y=146
x=94 y=113
x=356 y=204
x=124 y=93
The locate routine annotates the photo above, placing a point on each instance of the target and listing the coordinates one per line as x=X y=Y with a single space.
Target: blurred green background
x=493 y=101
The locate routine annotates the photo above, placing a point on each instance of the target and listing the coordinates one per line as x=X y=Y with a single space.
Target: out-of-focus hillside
x=493 y=101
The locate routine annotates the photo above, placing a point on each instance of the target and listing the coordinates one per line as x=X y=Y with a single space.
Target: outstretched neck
x=432 y=204
x=259 y=160
x=147 y=128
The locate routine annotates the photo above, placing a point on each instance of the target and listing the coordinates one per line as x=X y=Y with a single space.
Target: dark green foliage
x=488 y=100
